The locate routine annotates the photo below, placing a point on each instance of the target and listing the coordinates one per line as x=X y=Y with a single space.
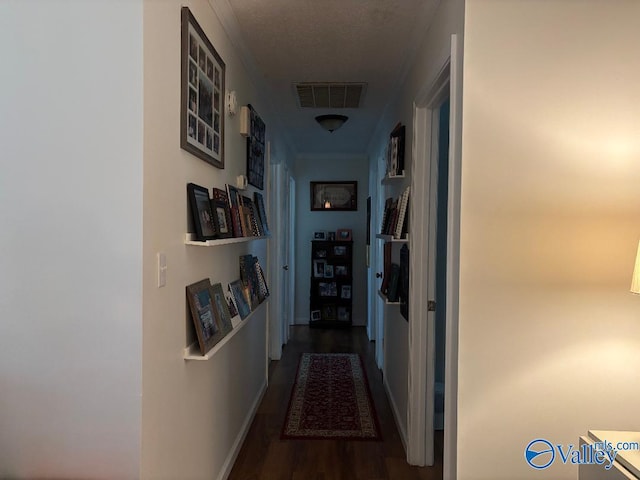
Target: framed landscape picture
x=202 y=94
x=337 y=196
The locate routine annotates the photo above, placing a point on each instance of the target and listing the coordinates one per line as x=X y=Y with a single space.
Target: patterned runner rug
x=331 y=399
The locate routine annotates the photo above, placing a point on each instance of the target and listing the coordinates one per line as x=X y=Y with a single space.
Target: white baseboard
x=227 y=466
x=396 y=414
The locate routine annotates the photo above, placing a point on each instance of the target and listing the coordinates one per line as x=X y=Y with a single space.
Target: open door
x=280 y=311
x=435 y=180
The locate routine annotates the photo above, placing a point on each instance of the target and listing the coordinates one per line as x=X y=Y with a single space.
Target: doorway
x=434 y=268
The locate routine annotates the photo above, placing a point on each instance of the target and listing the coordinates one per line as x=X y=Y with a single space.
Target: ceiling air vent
x=330 y=94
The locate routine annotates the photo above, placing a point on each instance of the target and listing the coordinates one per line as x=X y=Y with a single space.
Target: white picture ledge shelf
x=192 y=352
x=389 y=238
x=190 y=240
x=386 y=300
x=392 y=178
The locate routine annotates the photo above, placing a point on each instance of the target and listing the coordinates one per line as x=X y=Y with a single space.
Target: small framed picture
x=315 y=315
x=223 y=314
x=341 y=270
x=328 y=271
x=208 y=330
x=343 y=314
x=345 y=291
x=321 y=253
x=319 y=235
x=344 y=234
x=331 y=236
x=328 y=289
x=340 y=251
x=201 y=212
x=319 y=268
x=221 y=218
x=328 y=312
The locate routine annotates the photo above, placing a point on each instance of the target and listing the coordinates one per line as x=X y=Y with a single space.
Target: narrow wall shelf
x=192 y=352
x=392 y=178
x=389 y=238
x=386 y=301
x=189 y=240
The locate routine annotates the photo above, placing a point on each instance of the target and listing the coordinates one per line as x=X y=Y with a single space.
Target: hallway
x=264 y=456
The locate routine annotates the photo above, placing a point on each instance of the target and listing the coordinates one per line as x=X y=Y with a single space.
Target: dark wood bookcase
x=331 y=293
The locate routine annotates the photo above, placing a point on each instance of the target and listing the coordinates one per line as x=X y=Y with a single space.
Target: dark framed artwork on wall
x=336 y=196
x=202 y=94
x=255 y=149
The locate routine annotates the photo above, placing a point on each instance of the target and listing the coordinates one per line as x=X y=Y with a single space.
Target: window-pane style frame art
x=202 y=94
x=335 y=196
x=255 y=149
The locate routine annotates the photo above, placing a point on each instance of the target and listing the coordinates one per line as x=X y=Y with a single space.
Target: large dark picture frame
x=202 y=94
x=334 y=196
x=255 y=149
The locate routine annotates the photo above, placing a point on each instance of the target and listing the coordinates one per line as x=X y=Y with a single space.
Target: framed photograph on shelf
x=331 y=236
x=341 y=271
x=328 y=271
x=328 y=312
x=315 y=315
x=207 y=328
x=321 y=253
x=319 y=235
x=337 y=196
x=221 y=308
x=221 y=213
x=201 y=213
x=262 y=213
x=343 y=314
x=345 y=291
x=236 y=288
x=318 y=268
x=202 y=94
x=340 y=251
x=255 y=149
x=328 y=289
x=344 y=234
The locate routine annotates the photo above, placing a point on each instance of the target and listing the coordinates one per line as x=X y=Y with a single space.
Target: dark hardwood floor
x=265 y=456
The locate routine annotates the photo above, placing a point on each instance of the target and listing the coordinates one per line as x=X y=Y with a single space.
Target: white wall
x=549 y=335
x=194 y=413
x=331 y=168
x=71 y=242
x=431 y=55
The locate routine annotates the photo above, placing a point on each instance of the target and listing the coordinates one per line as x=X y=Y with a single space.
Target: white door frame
x=279 y=310
x=421 y=405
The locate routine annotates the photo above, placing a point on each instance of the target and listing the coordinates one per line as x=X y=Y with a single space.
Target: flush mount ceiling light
x=331 y=122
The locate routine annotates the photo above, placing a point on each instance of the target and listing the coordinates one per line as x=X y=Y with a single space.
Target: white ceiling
x=295 y=41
